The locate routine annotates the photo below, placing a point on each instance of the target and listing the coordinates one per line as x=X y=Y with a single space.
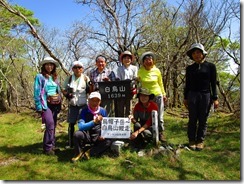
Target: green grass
x=21 y=155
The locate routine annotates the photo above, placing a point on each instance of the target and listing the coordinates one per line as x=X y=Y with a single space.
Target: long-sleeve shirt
x=144 y=114
x=44 y=87
x=124 y=73
x=96 y=76
x=151 y=80
x=86 y=122
x=201 y=78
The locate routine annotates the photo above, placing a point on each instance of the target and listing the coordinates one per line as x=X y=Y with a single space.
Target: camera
x=69 y=94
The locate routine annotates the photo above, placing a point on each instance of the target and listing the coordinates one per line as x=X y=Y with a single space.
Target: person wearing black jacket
x=200 y=93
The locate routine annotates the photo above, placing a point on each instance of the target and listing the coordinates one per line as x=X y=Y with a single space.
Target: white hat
x=95 y=94
x=196 y=46
x=49 y=60
x=149 y=53
x=79 y=63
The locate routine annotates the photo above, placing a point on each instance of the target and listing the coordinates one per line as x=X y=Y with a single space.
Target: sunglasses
x=79 y=67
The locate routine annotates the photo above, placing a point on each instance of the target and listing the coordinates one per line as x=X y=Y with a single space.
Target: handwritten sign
x=115 y=89
x=114 y=127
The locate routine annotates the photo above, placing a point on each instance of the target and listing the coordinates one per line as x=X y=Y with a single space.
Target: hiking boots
x=50 y=152
x=192 y=145
x=162 y=138
x=43 y=127
x=199 y=146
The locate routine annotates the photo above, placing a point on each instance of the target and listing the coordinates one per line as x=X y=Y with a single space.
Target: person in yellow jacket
x=150 y=77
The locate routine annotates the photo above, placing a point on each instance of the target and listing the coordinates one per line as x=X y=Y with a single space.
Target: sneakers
x=199 y=146
x=192 y=145
x=68 y=147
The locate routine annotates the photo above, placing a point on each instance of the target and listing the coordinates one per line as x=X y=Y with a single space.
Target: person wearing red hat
x=126 y=71
x=200 y=92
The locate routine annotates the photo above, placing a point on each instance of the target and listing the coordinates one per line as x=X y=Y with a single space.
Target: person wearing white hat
x=150 y=77
x=126 y=71
x=200 y=92
x=89 y=132
x=47 y=96
x=76 y=89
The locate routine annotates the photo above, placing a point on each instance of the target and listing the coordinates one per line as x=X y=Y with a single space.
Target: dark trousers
x=198 y=106
x=81 y=138
x=143 y=138
x=73 y=117
x=49 y=117
x=122 y=107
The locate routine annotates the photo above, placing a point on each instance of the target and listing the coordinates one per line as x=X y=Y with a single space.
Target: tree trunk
x=3 y=105
x=226 y=100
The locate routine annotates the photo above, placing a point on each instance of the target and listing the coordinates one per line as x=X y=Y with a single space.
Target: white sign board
x=115 y=128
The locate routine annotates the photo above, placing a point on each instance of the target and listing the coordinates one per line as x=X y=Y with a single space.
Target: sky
x=54 y=13
x=57 y=13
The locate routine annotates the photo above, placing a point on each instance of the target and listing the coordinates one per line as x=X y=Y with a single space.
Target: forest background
x=115 y=26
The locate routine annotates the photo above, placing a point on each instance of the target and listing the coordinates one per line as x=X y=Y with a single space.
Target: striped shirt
x=96 y=76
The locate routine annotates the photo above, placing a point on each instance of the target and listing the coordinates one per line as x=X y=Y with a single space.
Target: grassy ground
x=21 y=155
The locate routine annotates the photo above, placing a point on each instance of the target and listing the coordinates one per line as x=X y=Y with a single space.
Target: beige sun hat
x=48 y=60
x=126 y=53
x=196 y=46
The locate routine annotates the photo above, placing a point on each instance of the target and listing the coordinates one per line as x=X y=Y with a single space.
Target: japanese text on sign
x=115 y=89
x=113 y=127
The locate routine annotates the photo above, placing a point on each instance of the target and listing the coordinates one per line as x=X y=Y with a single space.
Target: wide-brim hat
x=145 y=92
x=49 y=60
x=149 y=53
x=196 y=46
x=126 y=53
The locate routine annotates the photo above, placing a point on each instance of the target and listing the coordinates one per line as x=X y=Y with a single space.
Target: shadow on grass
x=64 y=155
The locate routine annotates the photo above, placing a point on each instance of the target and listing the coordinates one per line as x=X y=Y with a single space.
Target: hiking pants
x=198 y=106
x=160 y=102
x=81 y=138
x=49 y=117
x=73 y=116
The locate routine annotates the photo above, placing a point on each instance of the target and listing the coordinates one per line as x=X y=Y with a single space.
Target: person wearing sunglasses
x=75 y=90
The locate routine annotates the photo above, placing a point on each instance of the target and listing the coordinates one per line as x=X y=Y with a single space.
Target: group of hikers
x=87 y=108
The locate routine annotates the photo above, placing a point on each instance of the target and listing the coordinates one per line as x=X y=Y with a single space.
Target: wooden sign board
x=114 y=89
